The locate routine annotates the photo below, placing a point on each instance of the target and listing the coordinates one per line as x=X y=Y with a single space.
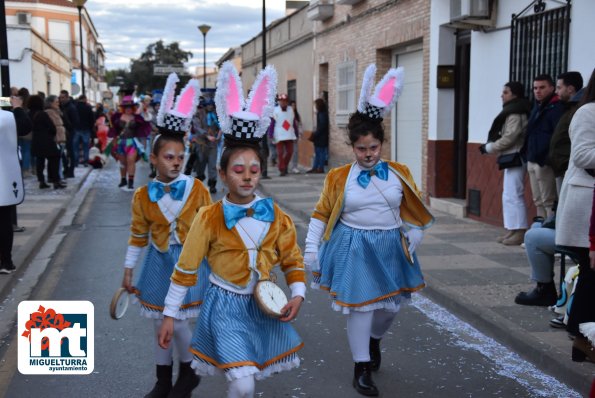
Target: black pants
x=53 y=166
x=6 y=234
x=582 y=309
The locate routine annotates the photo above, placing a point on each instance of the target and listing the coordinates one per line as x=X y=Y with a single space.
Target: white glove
x=414 y=236
x=311 y=261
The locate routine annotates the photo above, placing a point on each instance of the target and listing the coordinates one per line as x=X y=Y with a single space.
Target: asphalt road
x=427 y=353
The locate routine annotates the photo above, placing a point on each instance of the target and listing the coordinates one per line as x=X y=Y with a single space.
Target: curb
x=543 y=356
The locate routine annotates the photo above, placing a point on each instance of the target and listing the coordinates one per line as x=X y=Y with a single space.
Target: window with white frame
x=345 y=91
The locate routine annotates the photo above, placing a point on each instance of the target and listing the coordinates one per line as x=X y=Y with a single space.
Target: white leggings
x=363 y=325
x=182 y=337
x=241 y=388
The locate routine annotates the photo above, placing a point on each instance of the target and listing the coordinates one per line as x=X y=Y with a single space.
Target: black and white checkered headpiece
x=242 y=120
x=376 y=105
x=174 y=123
x=242 y=129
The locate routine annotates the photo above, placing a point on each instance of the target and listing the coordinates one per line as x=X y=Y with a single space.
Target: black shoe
x=362 y=380
x=130 y=184
x=543 y=295
x=43 y=185
x=375 y=356
x=59 y=185
x=16 y=228
x=8 y=268
x=122 y=183
x=265 y=178
x=163 y=386
x=558 y=322
x=186 y=382
x=70 y=174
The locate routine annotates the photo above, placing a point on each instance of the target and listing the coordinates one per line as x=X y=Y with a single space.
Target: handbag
x=509 y=160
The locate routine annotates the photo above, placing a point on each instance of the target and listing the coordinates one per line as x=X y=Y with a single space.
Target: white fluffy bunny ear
x=366 y=90
x=261 y=100
x=389 y=89
x=385 y=95
x=229 y=97
x=167 y=98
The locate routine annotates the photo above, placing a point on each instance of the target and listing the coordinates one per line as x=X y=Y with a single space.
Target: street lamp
x=80 y=4
x=204 y=29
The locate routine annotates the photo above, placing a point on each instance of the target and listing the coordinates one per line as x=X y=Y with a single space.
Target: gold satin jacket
x=330 y=205
x=228 y=256
x=147 y=218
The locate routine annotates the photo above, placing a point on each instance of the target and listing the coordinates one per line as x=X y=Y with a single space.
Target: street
x=428 y=351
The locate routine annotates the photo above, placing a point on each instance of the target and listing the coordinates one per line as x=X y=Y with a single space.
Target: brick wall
x=368 y=32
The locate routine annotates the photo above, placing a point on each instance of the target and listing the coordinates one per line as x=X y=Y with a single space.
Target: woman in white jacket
x=573 y=214
x=506 y=137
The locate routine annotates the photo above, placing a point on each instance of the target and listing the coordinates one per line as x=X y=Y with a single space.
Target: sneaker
x=295 y=170
x=16 y=228
x=7 y=268
x=558 y=322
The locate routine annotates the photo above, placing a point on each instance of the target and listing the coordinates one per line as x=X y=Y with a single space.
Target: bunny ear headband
x=385 y=95
x=245 y=120
x=177 y=118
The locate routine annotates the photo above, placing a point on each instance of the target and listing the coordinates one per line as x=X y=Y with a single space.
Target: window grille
x=539 y=44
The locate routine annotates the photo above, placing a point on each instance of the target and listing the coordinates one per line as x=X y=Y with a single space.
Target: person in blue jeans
x=320 y=137
x=540 y=245
x=82 y=130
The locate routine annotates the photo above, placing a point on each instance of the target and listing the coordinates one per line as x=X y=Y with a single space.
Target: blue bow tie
x=158 y=189
x=380 y=171
x=261 y=210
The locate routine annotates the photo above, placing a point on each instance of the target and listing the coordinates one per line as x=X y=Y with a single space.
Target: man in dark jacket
x=82 y=130
x=542 y=121
x=569 y=88
x=70 y=117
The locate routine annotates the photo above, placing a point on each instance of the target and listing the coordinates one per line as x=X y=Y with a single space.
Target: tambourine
x=120 y=302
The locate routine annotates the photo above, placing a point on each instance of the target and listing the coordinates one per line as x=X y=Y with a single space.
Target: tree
x=141 y=69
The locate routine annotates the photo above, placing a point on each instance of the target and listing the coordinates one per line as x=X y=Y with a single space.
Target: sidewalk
x=471 y=275
x=38 y=213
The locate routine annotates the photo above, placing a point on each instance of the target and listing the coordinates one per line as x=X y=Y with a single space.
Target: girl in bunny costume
x=162 y=213
x=369 y=219
x=244 y=237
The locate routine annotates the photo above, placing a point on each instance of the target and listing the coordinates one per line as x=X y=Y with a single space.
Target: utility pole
x=264 y=35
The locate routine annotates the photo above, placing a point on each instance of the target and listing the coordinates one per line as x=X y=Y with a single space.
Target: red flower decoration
x=43 y=319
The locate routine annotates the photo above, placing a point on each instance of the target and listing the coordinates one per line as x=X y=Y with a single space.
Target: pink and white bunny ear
x=366 y=91
x=229 y=97
x=261 y=100
x=167 y=99
x=389 y=89
x=186 y=103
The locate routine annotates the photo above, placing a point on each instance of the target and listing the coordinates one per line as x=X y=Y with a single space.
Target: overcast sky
x=126 y=27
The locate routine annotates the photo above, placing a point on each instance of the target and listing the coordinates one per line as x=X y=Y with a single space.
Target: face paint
x=242 y=176
x=169 y=161
x=367 y=151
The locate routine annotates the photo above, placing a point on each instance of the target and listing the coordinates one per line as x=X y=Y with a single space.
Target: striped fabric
x=232 y=332
x=366 y=269
x=153 y=283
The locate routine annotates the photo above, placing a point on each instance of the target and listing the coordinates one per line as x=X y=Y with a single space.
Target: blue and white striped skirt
x=364 y=270
x=234 y=336
x=153 y=284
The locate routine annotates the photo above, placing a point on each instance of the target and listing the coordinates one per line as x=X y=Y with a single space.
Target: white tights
x=182 y=337
x=241 y=388
x=363 y=325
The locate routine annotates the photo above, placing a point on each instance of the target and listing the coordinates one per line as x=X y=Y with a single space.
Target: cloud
x=126 y=28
